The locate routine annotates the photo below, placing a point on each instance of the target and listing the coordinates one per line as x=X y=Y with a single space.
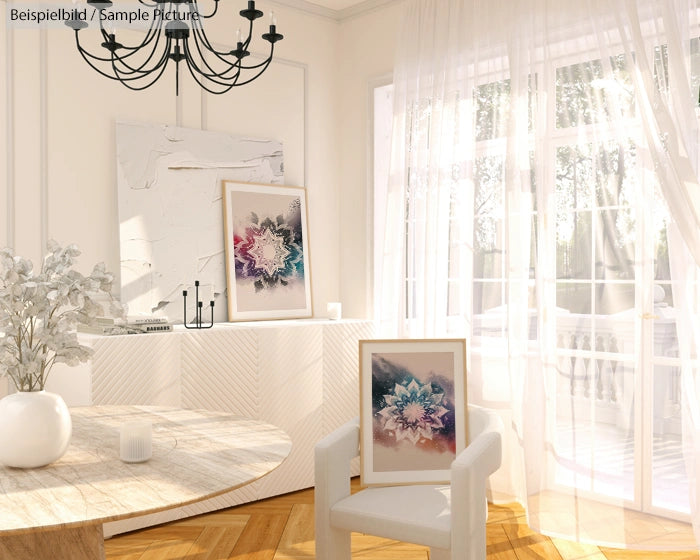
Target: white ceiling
x=336 y=4
x=334 y=9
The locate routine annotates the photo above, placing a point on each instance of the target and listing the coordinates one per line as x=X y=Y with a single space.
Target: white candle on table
x=334 y=309
x=135 y=441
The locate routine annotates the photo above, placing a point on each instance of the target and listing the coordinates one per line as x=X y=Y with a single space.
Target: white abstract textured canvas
x=171 y=215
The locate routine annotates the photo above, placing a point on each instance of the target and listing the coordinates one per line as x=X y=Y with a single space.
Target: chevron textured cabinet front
x=299 y=375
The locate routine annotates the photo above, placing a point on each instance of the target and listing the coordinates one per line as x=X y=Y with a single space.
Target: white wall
x=57 y=135
x=57 y=144
x=367 y=47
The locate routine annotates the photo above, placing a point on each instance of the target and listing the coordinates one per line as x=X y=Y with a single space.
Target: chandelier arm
x=132 y=75
x=85 y=52
x=235 y=79
x=141 y=73
x=153 y=32
x=129 y=74
x=102 y=29
x=267 y=63
x=241 y=67
x=126 y=70
x=201 y=34
x=230 y=65
x=213 y=75
x=250 y=36
x=254 y=66
x=154 y=5
x=216 y=9
x=85 y=55
x=193 y=66
x=237 y=64
x=124 y=81
x=227 y=87
x=232 y=73
x=135 y=69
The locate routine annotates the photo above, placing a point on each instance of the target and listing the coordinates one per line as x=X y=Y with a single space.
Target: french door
x=618 y=432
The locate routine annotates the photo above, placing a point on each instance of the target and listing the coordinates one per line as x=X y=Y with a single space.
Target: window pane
x=596 y=244
x=488 y=217
x=575 y=177
x=614 y=172
x=613 y=298
x=661 y=219
x=695 y=68
x=491 y=102
x=614 y=250
x=588 y=92
x=608 y=170
x=661 y=67
x=487 y=297
x=595 y=448
x=661 y=70
x=574 y=251
x=492 y=108
x=669 y=480
x=533 y=248
x=600 y=298
x=455 y=294
x=574 y=296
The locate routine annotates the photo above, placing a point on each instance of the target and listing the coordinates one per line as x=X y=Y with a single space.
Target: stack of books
x=133 y=324
x=148 y=323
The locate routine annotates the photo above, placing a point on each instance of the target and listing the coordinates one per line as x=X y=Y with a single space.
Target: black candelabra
x=198 y=310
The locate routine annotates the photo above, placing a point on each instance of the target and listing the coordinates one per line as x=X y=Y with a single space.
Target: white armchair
x=450 y=519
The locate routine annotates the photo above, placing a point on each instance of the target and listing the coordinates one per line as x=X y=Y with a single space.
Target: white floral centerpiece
x=39 y=314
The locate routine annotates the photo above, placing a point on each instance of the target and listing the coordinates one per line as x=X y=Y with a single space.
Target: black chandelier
x=176 y=33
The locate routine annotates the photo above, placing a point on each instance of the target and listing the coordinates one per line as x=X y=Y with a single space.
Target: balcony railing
x=596 y=363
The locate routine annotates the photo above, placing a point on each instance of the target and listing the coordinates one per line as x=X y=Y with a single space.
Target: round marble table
x=57 y=511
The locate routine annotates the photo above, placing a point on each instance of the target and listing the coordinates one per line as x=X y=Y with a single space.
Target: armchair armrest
x=332 y=456
x=472 y=467
x=480 y=459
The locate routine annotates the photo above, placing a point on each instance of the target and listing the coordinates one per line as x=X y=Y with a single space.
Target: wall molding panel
x=44 y=138
x=304 y=68
x=9 y=140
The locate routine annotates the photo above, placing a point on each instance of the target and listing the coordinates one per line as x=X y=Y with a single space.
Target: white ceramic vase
x=35 y=429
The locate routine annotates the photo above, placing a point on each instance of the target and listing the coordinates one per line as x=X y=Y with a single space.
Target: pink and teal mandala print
x=269 y=252
x=413 y=412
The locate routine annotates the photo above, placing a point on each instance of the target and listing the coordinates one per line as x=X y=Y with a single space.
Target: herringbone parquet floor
x=281 y=528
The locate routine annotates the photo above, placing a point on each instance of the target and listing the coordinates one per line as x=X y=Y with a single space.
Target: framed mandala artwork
x=267 y=254
x=413 y=403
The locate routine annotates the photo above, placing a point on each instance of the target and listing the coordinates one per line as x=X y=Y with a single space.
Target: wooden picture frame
x=413 y=409
x=267 y=254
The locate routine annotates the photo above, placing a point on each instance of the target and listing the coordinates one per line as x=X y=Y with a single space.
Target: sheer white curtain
x=543 y=202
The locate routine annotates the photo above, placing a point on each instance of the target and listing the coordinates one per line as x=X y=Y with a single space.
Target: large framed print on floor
x=413 y=403
x=267 y=254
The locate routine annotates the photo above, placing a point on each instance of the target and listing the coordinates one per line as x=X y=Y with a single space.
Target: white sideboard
x=301 y=375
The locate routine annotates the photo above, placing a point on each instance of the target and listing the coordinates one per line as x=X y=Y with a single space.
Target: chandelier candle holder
x=176 y=33
x=199 y=305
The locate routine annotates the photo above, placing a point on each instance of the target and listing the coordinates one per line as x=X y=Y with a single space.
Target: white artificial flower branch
x=39 y=313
